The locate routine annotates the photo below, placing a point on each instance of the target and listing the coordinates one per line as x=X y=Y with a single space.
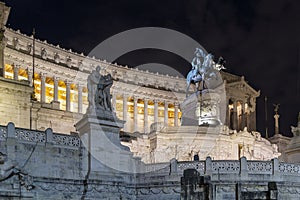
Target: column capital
x=80 y=86
x=43 y=75
x=176 y=104
x=68 y=82
x=167 y=102
x=29 y=71
x=56 y=79
x=155 y=100
x=146 y=99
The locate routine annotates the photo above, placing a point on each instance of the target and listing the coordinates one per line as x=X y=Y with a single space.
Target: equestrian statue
x=203 y=69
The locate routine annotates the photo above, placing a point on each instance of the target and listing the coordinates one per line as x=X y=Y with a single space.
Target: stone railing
x=39 y=137
x=239 y=168
x=66 y=140
x=198 y=165
x=243 y=168
x=228 y=166
x=289 y=169
x=259 y=167
x=30 y=135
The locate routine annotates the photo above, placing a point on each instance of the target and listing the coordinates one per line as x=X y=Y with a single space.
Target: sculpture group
x=99 y=90
x=203 y=69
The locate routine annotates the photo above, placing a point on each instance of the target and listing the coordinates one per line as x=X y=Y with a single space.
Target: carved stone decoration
x=293 y=148
x=29 y=47
x=80 y=64
x=251 y=103
x=44 y=53
x=56 y=58
x=16 y=44
x=296 y=130
x=69 y=61
x=201 y=108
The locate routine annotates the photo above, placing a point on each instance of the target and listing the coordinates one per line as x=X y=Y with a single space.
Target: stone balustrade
x=247 y=168
x=58 y=161
x=273 y=169
x=39 y=137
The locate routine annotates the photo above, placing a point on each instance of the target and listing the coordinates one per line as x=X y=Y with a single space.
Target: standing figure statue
x=92 y=83
x=106 y=92
x=103 y=97
x=99 y=91
x=99 y=98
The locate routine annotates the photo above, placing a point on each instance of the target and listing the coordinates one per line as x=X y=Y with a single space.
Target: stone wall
x=47 y=165
x=16 y=105
x=15 y=102
x=186 y=142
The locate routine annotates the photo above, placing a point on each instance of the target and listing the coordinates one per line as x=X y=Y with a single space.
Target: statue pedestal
x=100 y=136
x=201 y=108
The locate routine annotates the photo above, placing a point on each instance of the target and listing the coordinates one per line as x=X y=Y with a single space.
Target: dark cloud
x=259 y=38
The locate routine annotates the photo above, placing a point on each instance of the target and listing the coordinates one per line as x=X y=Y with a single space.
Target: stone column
x=243 y=124
x=68 y=95
x=146 y=129
x=79 y=88
x=276 y=117
x=125 y=98
x=235 y=118
x=227 y=120
x=16 y=72
x=155 y=110
x=43 y=88
x=166 y=114
x=247 y=116
x=55 y=95
x=253 y=121
x=29 y=72
x=176 y=114
x=135 y=114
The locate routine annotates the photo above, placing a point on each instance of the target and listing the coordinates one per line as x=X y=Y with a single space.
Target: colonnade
x=238 y=114
x=169 y=109
x=72 y=97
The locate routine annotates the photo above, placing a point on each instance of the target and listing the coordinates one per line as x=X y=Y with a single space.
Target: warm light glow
x=49 y=97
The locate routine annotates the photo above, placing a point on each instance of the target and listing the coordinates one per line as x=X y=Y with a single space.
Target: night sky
x=259 y=39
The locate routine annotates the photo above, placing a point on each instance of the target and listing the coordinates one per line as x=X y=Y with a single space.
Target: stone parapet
x=55 y=165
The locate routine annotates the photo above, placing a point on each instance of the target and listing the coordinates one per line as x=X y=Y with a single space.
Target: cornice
x=58 y=61
x=244 y=87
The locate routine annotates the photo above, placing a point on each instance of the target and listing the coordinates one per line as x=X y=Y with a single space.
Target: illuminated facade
x=60 y=86
x=42 y=163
